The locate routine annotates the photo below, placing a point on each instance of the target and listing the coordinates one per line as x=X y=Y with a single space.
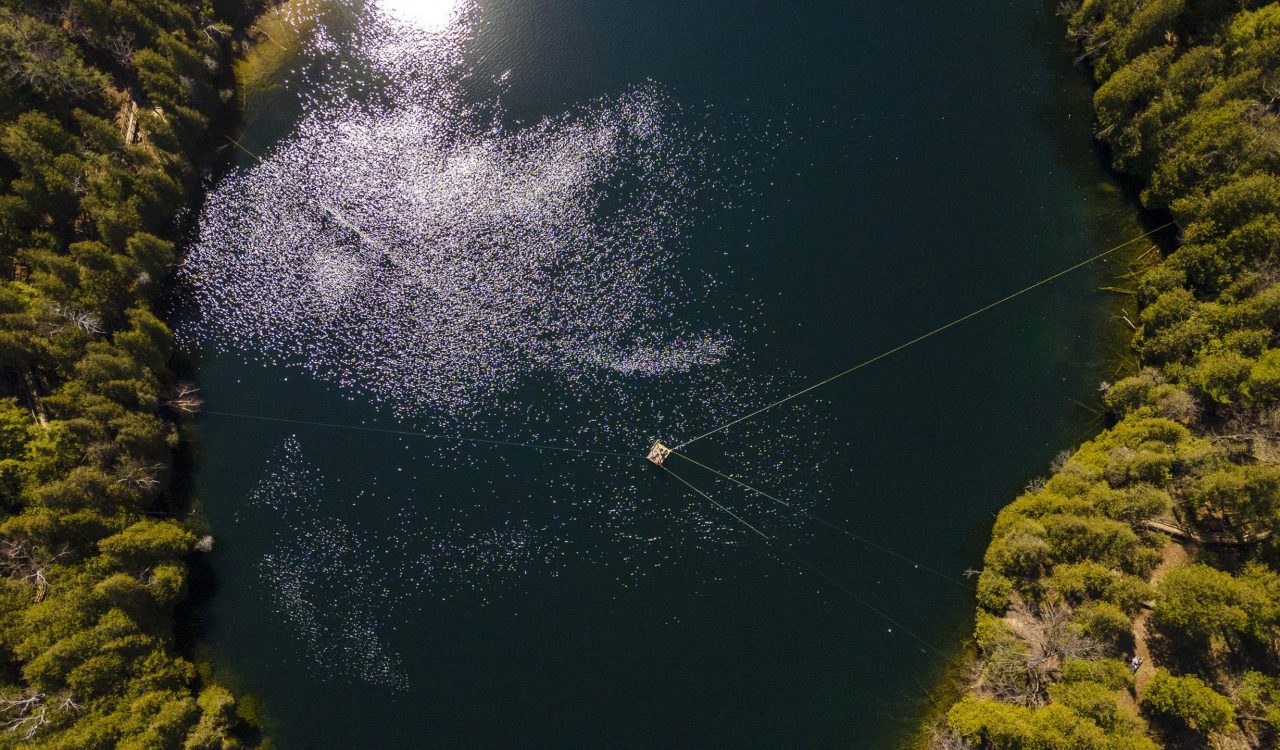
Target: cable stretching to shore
x=709 y=499
x=433 y=435
x=825 y=522
x=809 y=566
x=924 y=336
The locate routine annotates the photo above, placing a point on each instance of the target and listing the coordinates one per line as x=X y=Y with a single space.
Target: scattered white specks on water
x=418 y=251
x=525 y=283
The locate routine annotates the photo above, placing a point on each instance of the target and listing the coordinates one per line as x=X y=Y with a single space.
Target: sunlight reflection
x=432 y=15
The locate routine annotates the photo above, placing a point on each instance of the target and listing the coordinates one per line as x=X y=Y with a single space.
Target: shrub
x=1110 y=672
x=1103 y=622
x=994 y=590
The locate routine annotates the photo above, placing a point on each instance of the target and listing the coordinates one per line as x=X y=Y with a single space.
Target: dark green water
x=935 y=157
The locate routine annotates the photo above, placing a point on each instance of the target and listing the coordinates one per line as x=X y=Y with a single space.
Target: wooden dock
x=1184 y=534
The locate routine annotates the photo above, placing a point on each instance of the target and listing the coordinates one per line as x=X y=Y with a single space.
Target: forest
x=1157 y=537
x=110 y=114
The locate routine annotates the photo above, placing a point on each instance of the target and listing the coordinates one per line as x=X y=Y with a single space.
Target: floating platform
x=658 y=453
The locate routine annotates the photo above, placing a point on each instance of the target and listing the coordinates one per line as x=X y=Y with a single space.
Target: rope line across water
x=711 y=500
x=825 y=522
x=810 y=567
x=768 y=540
x=434 y=435
x=924 y=336
x=846 y=590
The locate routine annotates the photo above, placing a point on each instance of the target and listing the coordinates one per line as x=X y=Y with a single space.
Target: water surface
x=594 y=224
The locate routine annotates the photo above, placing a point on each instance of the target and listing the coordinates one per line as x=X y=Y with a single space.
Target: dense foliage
x=1080 y=573
x=105 y=110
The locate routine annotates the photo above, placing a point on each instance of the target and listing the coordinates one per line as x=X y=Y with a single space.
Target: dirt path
x=1173 y=555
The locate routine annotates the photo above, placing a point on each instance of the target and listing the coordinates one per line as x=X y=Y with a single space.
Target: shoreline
x=258 y=69
x=98 y=514
x=1116 y=302
x=1065 y=624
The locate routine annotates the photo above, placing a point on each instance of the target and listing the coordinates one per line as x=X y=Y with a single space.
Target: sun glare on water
x=432 y=15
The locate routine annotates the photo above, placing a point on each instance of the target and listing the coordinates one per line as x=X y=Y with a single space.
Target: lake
x=570 y=228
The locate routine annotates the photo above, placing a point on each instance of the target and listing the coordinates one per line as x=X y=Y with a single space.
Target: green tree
x=1208 y=608
x=1260 y=696
x=1189 y=702
x=37 y=56
x=1001 y=726
x=1248 y=495
x=146 y=543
